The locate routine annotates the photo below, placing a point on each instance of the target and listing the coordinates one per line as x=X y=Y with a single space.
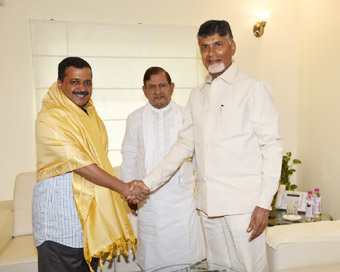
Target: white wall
x=274 y=57
x=319 y=101
x=118 y=65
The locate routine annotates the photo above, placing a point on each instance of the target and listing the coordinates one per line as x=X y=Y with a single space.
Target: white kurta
x=233 y=125
x=169 y=229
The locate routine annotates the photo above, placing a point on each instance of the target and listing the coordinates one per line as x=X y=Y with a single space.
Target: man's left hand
x=258 y=222
x=134 y=209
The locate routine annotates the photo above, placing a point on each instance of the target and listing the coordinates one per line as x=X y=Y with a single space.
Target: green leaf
x=291 y=171
x=287 y=170
x=293 y=187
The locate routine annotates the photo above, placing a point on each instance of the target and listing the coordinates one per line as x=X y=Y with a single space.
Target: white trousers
x=227 y=242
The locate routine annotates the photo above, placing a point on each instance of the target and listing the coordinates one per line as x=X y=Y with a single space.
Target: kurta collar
x=162 y=109
x=228 y=76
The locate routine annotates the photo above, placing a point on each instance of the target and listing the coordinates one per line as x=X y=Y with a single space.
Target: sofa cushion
x=303 y=232
x=20 y=252
x=22 y=204
x=6 y=223
x=303 y=244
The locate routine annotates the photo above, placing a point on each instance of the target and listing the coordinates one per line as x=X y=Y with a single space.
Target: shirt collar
x=87 y=107
x=89 y=104
x=162 y=109
x=228 y=76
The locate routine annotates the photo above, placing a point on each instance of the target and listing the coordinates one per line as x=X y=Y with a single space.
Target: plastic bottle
x=309 y=207
x=317 y=204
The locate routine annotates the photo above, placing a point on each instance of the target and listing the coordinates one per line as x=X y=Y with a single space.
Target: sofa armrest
x=6 y=223
x=303 y=244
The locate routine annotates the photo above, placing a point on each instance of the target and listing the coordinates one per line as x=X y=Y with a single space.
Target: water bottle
x=317 y=204
x=309 y=207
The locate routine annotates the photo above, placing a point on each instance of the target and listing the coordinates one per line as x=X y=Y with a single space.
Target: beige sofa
x=301 y=247
x=17 y=250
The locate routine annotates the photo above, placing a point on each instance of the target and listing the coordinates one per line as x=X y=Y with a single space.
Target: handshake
x=136 y=192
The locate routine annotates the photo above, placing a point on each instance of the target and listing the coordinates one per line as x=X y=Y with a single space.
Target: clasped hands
x=137 y=192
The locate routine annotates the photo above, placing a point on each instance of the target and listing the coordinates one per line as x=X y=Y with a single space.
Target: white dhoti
x=169 y=231
x=228 y=243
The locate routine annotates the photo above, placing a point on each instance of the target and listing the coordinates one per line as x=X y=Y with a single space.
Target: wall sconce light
x=258 y=28
x=1 y=2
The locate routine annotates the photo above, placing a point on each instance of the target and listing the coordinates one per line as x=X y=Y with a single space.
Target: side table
x=275 y=218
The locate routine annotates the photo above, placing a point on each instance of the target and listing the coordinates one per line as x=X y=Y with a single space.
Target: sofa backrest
x=22 y=203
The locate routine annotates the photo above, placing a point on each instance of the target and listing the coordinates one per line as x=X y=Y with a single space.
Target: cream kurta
x=169 y=230
x=232 y=124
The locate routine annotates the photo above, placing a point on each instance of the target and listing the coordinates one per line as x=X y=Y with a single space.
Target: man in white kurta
x=169 y=229
x=232 y=124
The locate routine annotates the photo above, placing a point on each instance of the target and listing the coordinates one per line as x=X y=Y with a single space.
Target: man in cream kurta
x=232 y=124
x=169 y=229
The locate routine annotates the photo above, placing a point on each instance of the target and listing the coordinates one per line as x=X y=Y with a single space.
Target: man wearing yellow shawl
x=78 y=213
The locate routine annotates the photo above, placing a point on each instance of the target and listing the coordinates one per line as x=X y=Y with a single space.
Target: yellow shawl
x=67 y=139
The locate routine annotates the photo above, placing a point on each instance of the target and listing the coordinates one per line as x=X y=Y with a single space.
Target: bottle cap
x=316 y=190
x=310 y=192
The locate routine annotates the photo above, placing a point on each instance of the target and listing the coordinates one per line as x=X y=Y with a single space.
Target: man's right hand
x=137 y=192
x=139 y=183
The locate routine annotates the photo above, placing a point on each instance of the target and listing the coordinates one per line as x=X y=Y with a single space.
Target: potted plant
x=287 y=171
